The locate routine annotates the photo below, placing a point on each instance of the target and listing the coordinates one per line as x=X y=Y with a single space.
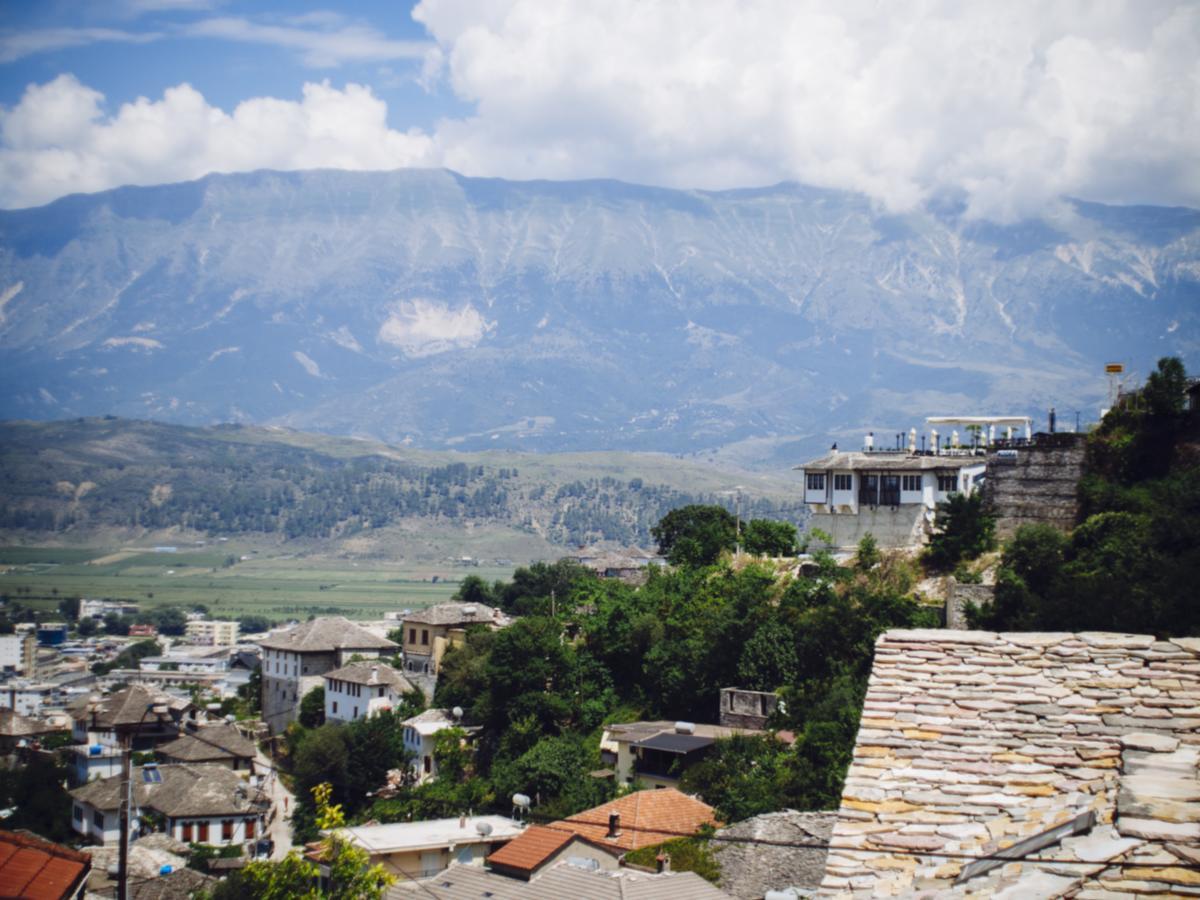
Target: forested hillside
x=88 y=474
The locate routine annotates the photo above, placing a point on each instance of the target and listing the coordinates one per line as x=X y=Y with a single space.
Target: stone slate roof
x=209 y=742
x=13 y=725
x=35 y=869
x=185 y=790
x=971 y=742
x=452 y=614
x=180 y=884
x=125 y=708
x=559 y=881
x=371 y=673
x=749 y=869
x=879 y=462
x=325 y=635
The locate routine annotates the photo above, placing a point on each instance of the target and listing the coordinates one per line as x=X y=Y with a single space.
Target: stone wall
x=746 y=709
x=960 y=596
x=892 y=527
x=1038 y=485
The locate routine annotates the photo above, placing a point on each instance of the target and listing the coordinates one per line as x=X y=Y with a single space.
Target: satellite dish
x=484 y=828
x=457 y=712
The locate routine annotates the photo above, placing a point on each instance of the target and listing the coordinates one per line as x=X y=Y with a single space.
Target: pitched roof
x=17 y=726
x=461 y=882
x=125 y=708
x=180 y=884
x=531 y=849
x=371 y=673
x=324 y=635
x=452 y=614
x=185 y=790
x=877 y=462
x=647 y=817
x=209 y=742
x=36 y=869
x=971 y=742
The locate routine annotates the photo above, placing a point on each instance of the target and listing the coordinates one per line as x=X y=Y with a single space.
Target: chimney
x=662 y=863
x=869 y=443
x=614 y=825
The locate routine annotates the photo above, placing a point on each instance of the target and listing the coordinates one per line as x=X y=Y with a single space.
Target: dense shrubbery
x=1134 y=563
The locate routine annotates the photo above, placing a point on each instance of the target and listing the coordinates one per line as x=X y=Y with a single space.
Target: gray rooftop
x=855 y=461
x=559 y=881
x=325 y=635
x=209 y=742
x=185 y=790
x=453 y=614
x=371 y=673
x=753 y=862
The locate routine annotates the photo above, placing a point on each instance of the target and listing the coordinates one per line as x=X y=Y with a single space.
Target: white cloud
x=58 y=139
x=15 y=45
x=1014 y=102
x=328 y=45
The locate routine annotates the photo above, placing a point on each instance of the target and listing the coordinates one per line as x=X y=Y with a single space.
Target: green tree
x=312 y=708
x=695 y=535
x=68 y=608
x=765 y=537
x=963 y=529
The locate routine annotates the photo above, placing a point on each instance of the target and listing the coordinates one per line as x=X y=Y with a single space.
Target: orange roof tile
x=531 y=848
x=34 y=869
x=647 y=817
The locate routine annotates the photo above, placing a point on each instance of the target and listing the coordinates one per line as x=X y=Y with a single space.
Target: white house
x=203 y=804
x=415 y=850
x=362 y=689
x=891 y=493
x=420 y=735
x=17 y=652
x=294 y=661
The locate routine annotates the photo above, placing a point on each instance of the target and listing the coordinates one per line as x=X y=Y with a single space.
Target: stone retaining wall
x=1039 y=485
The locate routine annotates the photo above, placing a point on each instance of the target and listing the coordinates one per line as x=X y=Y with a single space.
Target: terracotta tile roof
x=971 y=742
x=34 y=869
x=326 y=634
x=647 y=817
x=531 y=849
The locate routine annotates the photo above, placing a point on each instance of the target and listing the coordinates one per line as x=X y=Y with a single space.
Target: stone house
x=420 y=737
x=220 y=744
x=102 y=726
x=362 y=689
x=204 y=804
x=295 y=661
x=429 y=632
x=1074 y=756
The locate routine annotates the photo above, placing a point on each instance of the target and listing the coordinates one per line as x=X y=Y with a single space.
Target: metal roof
x=670 y=742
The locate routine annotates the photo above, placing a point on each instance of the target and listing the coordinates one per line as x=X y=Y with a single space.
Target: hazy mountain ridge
x=467 y=313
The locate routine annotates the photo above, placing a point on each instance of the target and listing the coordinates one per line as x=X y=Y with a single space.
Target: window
x=79 y=814
x=356 y=712
x=910 y=482
x=250 y=823
x=428 y=764
x=227 y=830
x=412 y=635
x=841 y=482
x=98 y=819
x=201 y=832
x=187 y=832
x=424 y=635
x=947 y=484
x=335 y=706
x=815 y=481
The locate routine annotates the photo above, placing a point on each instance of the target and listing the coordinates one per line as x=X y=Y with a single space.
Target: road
x=280 y=828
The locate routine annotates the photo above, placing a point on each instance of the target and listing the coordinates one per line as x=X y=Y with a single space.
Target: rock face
x=1037 y=486
x=971 y=742
x=474 y=313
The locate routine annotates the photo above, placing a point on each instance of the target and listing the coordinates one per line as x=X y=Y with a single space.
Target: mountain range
x=428 y=309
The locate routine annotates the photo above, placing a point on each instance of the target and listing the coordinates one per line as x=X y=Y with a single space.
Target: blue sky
x=1010 y=105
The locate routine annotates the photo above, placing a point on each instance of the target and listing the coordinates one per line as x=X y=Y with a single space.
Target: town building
x=419 y=850
x=420 y=736
x=132 y=717
x=190 y=660
x=363 y=689
x=429 y=632
x=18 y=653
x=741 y=708
x=541 y=846
x=18 y=731
x=52 y=634
x=202 y=804
x=98 y=609
x=219 y=743
x=212 y=632
x=295 y=661
x=35 y=869
x=657 y=753
x=891 y=492
x=1023 y=765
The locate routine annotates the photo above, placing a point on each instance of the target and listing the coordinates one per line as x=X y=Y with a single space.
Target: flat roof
x=669 y=742
x=396 y=837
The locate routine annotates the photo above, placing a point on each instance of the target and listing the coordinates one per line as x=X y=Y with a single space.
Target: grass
x=276 y=586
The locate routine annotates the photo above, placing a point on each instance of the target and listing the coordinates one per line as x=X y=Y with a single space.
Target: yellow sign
x=1114 y=368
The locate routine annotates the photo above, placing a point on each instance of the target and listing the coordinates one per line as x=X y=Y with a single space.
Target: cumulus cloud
x=1014 y=103
x=58 y=138
x=1007 y=105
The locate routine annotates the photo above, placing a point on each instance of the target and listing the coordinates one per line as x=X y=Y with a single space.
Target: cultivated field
x=231 y=580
